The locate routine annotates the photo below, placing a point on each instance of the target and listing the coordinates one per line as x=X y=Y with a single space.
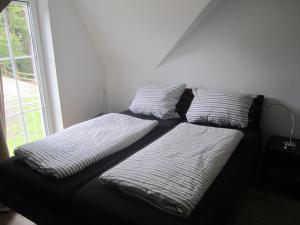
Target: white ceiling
x=138 y=33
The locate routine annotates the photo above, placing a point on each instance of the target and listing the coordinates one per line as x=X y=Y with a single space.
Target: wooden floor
x=12 y=218
x=268 y=207
x=259 y=207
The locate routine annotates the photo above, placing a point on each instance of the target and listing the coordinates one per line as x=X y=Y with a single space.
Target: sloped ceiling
x=138 y=33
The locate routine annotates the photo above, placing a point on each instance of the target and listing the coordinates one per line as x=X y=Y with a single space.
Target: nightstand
x=281 y=167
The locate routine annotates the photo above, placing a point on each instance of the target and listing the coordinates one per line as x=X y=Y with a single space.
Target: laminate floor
x=12 y=218
x=258 y=207
x=267 y=207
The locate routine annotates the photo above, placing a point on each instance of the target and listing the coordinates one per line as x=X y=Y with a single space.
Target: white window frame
x=40 y=15
x=39 y=54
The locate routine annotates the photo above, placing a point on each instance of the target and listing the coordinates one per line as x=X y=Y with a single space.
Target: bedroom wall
x=134 y=33
x=244 y=46
x=80 y=74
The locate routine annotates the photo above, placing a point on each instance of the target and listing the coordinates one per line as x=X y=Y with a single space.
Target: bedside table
x=281 y=167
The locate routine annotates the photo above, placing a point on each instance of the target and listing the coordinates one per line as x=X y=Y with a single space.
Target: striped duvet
x=75 y=148
x=174 y=172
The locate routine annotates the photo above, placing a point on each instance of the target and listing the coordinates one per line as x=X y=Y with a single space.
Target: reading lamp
x=289 y=143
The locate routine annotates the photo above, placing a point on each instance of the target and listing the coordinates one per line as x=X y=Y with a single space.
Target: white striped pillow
x=220 y=108
x=157 y=100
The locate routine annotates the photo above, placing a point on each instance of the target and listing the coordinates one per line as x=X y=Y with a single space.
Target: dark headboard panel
x=184 y=103
x=254 y=113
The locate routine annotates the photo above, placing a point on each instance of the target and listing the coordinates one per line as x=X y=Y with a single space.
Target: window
x=23 y=94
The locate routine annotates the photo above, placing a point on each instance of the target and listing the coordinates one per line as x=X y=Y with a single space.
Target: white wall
x=244 y=46
x=79 y=71
x=137 y=32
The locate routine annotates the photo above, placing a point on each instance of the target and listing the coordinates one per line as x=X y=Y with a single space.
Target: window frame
x=33 y=15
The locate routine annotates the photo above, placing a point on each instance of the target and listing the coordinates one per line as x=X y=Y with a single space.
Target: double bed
x=81 y=199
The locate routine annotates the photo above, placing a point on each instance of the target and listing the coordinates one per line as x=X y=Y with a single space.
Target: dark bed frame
x=44 y=216
x=29 y=209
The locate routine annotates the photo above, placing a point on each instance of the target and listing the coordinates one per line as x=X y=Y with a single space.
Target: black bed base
x=43 y=216
x=27 y=208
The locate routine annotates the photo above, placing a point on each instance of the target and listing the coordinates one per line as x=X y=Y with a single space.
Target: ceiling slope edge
x=204 y=13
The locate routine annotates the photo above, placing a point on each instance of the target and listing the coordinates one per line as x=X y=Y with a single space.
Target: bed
x=97 y=203
x=45 y=199
x=80 y=199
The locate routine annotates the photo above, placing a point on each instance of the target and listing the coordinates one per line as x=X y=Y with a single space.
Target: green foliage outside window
x=20 y=41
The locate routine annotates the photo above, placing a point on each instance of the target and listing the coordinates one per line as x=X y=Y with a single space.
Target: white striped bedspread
x=174 y=172
x=75 y=148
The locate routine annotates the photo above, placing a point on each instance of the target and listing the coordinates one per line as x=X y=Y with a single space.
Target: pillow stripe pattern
x=157 y=100
x=220 y=108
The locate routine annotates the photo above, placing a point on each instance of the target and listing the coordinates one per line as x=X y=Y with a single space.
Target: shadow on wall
x=197 y=38
x=258 y=31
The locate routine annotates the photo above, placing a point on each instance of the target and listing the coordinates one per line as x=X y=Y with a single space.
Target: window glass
x=24 y=111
